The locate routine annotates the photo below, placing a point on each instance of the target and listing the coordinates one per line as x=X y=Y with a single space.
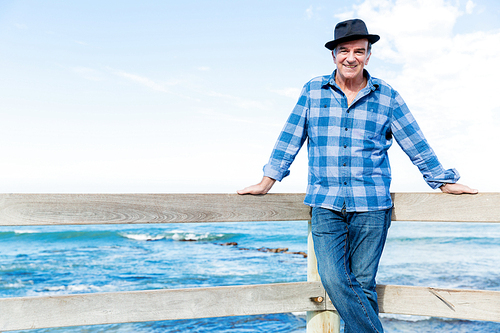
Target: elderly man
x=350 y=119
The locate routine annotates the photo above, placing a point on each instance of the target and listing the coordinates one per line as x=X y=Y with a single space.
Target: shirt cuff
x=270 y=172
x=449 y=176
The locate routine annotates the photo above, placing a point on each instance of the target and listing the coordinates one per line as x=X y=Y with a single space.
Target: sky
x=190 y=96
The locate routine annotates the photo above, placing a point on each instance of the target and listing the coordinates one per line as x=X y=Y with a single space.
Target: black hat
x=350 y=30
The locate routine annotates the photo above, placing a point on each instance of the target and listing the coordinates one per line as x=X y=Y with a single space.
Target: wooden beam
x=318 y=321
x=108 y=308
x=440 y=207
x=437 y=302
x=48 y=209
x=153 y=305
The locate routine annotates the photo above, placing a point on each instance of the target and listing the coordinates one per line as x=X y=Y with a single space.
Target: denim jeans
x=348 y=248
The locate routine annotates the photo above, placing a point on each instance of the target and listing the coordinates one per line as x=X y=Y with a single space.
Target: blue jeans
x=348 y=248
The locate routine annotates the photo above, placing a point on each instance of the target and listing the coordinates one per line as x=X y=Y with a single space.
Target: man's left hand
x=457 y=189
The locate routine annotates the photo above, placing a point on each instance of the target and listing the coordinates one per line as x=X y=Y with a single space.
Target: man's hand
x=261 y=188
x=457 y=189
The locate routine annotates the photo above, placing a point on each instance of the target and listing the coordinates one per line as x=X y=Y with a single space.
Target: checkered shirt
x=347 y=145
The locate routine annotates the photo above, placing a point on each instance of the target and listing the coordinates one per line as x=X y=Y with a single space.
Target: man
x=349 y=119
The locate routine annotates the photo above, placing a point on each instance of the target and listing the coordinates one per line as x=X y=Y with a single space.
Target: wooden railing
x=153 y=305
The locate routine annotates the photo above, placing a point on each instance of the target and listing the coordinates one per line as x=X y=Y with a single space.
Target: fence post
x=318 y=321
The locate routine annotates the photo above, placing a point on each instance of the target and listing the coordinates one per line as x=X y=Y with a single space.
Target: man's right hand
x=261 y=188
x=455 y=188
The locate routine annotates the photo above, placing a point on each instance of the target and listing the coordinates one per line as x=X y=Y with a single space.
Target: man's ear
x=368 y=59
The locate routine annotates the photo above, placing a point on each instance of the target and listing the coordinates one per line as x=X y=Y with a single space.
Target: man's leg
x=340 y=242
x=367 y=237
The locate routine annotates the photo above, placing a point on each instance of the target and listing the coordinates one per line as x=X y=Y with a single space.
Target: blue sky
x=190 y=96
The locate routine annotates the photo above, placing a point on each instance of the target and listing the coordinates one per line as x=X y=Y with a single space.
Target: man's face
x=350 y=59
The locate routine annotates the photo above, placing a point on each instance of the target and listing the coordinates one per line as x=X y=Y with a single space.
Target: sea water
x=61 y=260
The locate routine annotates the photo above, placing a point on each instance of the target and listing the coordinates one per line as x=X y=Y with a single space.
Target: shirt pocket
x=324 y=120
x=375 y=124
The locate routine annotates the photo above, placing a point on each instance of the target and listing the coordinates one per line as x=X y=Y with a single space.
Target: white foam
x=56 y=288
x=179 y=236
x=82 y=287
x=17 y=284
x=26 y=232
x=73 y=288
x=143 y=237
x=402 y=317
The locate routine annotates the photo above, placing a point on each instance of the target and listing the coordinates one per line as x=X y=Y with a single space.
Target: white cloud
x=230 y=118
x=447 y=79
x=288 y=92
x=197 y=94
x=309 y=12
x=144 y=81
x=316 y=13
x=239 y=102
x=408 y=26
x=161 y=86
x=469 y=7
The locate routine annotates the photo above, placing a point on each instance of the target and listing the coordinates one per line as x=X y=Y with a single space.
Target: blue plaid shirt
x=347 y=145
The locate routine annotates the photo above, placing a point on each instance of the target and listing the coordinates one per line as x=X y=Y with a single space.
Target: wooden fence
x=22 y=313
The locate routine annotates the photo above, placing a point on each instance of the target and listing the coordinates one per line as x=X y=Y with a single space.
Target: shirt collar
x=372 y=83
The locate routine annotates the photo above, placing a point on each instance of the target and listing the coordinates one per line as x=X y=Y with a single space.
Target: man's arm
x=411 y=139
x=456 y=188
x=261 y=188
x=290 y=140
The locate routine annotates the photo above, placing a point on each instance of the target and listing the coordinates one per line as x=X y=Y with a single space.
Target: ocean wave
x=72 y=289
x=19 y=232
x=55 y=235
x=193 y=237
x=16 y=285
x=401 y=317
x=143 y=237
x=175 y=236
x=34 y=235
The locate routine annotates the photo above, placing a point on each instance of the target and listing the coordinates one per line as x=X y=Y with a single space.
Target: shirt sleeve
x=411 y=139
x=290 y=140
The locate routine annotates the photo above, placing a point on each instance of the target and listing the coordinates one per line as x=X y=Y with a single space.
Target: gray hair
x=368 y=49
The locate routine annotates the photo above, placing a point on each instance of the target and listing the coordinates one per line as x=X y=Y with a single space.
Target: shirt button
x=344 y=164
x=345 y=146
x=348 y=111
x=346 y=129
x=345 y=183
x=324 y=106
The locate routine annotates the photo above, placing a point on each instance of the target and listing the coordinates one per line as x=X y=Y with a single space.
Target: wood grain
x=437 y=302
x=440 y=207
x=318 y=321
x=152 y=305
x=47 y=209
x=139 y=306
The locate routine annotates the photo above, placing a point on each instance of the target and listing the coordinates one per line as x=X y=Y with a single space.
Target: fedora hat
x=350 y=30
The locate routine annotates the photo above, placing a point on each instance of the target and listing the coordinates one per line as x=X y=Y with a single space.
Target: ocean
x=60 y=260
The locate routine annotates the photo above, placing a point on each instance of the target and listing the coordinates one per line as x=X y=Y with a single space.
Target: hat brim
x=331 y=45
